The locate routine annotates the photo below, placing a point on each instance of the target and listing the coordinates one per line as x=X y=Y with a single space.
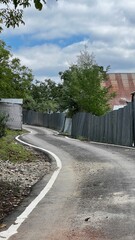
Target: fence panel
x=110 y=127
x=33 y=118
x=127 y=126
x=85 y=125
x=90 y=127
x=46 y=120
x=133 y=119
x=95 y=129
x=68 y=126
x=78 y=122
x=102 y=129
x=54 y=120
x=115 y=127
x=27 y=117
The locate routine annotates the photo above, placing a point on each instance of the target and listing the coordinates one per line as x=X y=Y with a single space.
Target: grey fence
x=55 y=120
x=116 y=127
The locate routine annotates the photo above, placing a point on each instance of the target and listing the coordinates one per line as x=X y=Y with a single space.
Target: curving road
x=93 y=196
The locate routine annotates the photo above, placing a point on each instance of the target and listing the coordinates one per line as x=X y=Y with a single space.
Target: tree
x=46 y=96
x=12 y=12
x=83 y=86
x=22 y=78
x=5 y=71
x=15 y=79
x=68 y=101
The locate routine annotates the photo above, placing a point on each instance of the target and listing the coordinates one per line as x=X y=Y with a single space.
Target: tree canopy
x=11 y=12
x=15 y=79
x=83 y=88
x=47 y=96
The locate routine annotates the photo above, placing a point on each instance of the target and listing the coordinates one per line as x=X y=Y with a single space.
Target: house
x=123 y=84
x=13 y=109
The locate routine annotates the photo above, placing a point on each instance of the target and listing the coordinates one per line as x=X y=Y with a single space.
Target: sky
x=51 y=39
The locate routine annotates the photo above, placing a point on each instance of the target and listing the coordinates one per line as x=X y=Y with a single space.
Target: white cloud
x=49 y=58
x=107 y=27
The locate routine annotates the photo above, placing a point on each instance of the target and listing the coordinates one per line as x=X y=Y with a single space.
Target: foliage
x=3 y=120
x=46 y=96
x=11 y=13
x=29 y=103
x=83 y=88
x=13 y=151
x=15 y=79
x=5 y=71
x=22 y=78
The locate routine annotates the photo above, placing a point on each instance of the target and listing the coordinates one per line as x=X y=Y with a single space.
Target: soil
x=17 y=179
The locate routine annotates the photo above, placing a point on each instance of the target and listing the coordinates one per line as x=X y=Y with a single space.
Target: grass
x=12 y=192
x=13 y=151
x=81 y=138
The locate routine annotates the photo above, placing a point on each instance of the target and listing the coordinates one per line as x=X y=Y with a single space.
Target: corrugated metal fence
x=116 y=127
x=55 y=120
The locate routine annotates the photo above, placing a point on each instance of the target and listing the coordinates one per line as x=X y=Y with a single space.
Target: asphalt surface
x=93 y=196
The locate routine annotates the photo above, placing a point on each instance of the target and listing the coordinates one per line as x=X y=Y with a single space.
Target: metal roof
x=12 y=100
x=123 y=84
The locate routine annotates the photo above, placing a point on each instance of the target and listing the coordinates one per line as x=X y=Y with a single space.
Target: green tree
x=83 y=85
x=46 y=95
x=15 y=79
x=29 y=103
x=11 y=12
x=68 y=100
x=5 y=70
x=22 y=78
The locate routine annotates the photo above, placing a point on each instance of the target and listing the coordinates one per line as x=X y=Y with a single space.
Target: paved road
x=93 y=196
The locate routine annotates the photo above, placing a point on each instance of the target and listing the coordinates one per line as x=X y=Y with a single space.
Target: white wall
x=14 y=111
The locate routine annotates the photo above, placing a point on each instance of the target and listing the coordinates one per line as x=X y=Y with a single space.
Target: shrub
x=3 y=120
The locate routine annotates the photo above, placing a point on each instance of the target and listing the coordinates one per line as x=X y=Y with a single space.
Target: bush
x=3 y=120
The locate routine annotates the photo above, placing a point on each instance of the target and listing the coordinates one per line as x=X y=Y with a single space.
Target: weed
x=13 y=151
x=81 y=138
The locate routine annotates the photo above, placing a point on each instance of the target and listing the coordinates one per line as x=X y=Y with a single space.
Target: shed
x=13 y=108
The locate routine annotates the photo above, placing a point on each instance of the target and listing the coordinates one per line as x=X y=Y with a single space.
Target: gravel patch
x=17 y=179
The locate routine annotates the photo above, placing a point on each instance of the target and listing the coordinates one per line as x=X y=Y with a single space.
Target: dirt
x=12 y=191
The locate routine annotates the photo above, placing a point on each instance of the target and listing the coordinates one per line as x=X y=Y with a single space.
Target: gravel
x=17 y=179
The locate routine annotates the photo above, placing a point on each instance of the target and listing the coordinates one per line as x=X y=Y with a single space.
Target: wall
x=14 y=112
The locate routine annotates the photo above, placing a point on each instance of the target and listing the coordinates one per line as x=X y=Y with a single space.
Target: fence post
x=133 y=116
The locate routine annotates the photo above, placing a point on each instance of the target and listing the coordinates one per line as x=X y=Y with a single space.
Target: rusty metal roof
x=123 y=84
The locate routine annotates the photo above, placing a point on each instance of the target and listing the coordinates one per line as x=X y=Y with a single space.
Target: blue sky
x=50 y=40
